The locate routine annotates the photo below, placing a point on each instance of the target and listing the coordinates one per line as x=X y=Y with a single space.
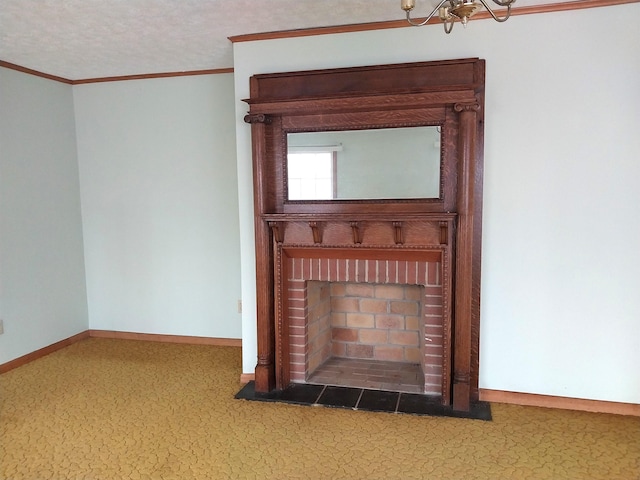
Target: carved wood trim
x=467 y=107
x=357 y=234
x=361 y=103
x=362 y=217
x=464 y=257
x=426 y=254
x=398 y=238
x=315 y=230
x=265 y=368
x=444 y=233
x=257 y=118
x=282 y=325
x=447 y=324
x=278 y=234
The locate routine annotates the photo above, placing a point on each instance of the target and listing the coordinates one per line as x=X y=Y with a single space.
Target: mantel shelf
x=363 y=217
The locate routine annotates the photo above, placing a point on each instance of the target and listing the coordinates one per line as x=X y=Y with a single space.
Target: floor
x=105 y=409
x=370 y=374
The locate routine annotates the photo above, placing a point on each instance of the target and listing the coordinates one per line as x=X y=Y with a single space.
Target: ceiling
x=81 y=39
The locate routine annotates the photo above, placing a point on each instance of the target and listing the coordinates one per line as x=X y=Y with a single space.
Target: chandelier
x=451 y=10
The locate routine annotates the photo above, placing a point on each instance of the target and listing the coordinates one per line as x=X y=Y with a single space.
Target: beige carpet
x=117 y=409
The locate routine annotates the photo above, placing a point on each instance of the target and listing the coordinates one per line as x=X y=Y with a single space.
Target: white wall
x=42 y=288
x=159 y=205
x=560 y=302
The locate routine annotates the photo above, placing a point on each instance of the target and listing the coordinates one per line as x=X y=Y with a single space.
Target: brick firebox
x=382 y=310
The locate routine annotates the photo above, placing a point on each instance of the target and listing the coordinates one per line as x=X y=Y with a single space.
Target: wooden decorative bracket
x=398 y=237
x=467 y=107
x=257 y=118
x=444 y=233
x=278 y=234
x=317 y=236
x=357 y=234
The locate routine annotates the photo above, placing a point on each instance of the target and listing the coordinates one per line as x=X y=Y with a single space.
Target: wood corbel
x=397 y=234
x=278 y=233
x=357 y=234
x=315 y=230
x=444 y=233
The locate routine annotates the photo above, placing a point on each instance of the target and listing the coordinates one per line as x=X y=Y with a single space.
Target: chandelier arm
x=448 y=29
x=503 y=3
x=424 y=22
x=495 y=17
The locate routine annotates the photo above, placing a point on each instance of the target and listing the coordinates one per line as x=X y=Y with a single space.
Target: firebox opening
x=369 y=335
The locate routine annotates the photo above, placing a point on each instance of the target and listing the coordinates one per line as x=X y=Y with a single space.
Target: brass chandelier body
x=461 y=10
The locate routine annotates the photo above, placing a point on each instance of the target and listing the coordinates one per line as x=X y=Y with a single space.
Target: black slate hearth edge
x=363 y=399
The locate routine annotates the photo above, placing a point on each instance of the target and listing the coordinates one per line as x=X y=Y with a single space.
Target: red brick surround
x=387 y=310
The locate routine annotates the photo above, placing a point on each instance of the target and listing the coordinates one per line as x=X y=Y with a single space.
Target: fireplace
x=396 y=233
x=377 y=318
x=366 y=323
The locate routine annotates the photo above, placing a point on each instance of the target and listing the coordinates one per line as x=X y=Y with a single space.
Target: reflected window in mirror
x=385 y=163
x=311 y=174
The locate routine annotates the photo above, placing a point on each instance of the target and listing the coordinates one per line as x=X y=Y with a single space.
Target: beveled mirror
x=368 y=164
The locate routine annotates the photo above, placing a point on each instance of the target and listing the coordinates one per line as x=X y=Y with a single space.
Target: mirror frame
x=440 y=180
x=368 y=199
x=335 y=112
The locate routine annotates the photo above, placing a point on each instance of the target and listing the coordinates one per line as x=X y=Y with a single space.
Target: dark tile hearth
x=344 y=397
x=363 y=399
x=378 y=401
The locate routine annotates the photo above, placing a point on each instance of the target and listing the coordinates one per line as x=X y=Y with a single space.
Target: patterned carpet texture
x=119 y=409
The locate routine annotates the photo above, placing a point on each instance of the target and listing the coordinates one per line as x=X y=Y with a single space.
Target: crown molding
x=30 y=71
x=145 y=76
x=361 y=27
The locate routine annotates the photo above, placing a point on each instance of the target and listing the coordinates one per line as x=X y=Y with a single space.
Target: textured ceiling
x=79 y=39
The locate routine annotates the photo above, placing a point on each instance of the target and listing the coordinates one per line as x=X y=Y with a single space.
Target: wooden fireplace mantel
x=447 y=94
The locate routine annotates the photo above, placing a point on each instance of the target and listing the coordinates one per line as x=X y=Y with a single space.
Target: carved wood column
x=464 y=277
x=265 y=368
